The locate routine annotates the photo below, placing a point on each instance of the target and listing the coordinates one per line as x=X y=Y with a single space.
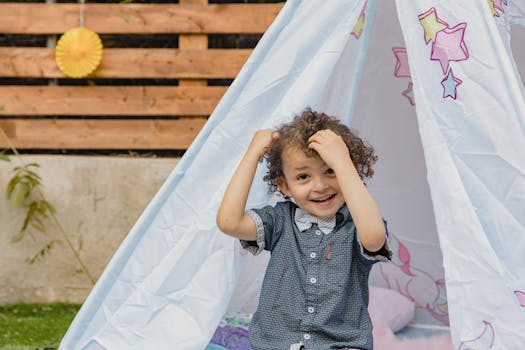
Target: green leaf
x=49 y=207
x=28 y=186
x=32 y=260
x=39 y=227
x=18 y=237
x=11 y=185
x=30 y=179
x=33 y=175
x=41 y=208
x=40 y=255
x=29 y=216
x=17 y=195
x=4 y=157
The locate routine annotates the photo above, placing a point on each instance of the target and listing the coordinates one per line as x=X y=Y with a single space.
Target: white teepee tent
x=438 y=95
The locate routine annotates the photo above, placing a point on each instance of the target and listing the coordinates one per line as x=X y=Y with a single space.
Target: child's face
x=310 y=182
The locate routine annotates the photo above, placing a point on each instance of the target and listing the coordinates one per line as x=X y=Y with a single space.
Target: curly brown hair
x=300 y=129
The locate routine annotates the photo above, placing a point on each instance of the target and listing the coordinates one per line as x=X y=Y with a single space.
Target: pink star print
x=449 y=46
x=401 y=69
x=409 y=94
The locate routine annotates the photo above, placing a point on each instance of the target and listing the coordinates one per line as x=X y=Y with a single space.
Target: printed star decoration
x=360 y=24
x=450 y=83
x=401 y=69
x=496 y=5
x=432 y=24
x=358 y=28
x=409 y=93
x=450 y=46
x=493 y=9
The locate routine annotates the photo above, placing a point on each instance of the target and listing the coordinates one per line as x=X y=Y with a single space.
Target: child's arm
x=232 y=218
x=365 y=213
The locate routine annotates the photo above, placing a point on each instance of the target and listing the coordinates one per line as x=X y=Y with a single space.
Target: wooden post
x=193 y=42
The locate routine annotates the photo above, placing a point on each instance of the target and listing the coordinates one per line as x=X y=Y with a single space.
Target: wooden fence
x=126 y=117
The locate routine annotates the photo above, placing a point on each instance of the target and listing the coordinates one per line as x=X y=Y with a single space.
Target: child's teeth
x=323 y=199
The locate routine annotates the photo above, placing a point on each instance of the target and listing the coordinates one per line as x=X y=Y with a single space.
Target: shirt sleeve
x=268 y=222
x=384 y=254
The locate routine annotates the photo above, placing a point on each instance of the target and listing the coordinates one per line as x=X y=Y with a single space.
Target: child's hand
x=261 y=141
x=330 y=146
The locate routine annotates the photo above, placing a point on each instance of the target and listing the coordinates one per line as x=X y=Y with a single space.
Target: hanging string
x=82 y=13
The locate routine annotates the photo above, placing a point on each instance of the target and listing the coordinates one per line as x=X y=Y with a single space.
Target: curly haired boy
x=323 y=238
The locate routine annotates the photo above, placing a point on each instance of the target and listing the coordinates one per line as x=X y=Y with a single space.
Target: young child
x=323 y=238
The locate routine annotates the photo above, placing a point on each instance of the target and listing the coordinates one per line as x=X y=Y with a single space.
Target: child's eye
x=329 y=171
x=301 y=177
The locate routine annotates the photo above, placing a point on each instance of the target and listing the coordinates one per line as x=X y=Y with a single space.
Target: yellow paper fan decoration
x=78 y=52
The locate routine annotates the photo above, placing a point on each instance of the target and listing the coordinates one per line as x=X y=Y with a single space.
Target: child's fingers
x=314 y=137
x=322 y=135
x=317 y=137
x=261 y=141
x=326 y=137
x=313 y=144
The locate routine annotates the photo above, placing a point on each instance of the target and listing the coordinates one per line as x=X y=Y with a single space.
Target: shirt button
x=313 y=255
x=306 y=336
x=318 y=232
x=313 y=280
x=311 y=310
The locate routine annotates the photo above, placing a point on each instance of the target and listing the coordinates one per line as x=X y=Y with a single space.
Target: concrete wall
x=97 y=198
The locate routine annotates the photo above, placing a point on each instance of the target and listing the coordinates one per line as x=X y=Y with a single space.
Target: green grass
x=32 y=326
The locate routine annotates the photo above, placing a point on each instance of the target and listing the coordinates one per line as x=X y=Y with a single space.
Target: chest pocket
x=338 y=259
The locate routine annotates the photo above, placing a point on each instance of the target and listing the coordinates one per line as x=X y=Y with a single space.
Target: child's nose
x=320 y=184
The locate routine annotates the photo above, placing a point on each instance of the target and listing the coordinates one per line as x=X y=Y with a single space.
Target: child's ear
x=283 y=186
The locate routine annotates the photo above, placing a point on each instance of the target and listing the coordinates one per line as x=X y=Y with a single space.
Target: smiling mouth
x=323 y=199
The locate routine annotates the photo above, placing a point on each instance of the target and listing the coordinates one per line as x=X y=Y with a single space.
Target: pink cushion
x=390 y=308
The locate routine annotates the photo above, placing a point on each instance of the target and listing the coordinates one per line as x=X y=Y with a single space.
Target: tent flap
x=470 y=110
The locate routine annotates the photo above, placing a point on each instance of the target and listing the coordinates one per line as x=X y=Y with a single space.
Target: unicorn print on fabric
x=483 y=341
x=402 y=276
x=521 y=297
x=232 y=333
x=448 y=45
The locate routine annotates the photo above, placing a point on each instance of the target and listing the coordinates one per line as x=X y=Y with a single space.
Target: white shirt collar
x=304 y=221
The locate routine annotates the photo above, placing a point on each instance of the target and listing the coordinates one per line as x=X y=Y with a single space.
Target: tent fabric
x=473 y=147
x=175 y=274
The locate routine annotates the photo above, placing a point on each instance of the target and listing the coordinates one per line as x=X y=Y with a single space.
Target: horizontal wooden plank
x=101 y=134
x=130 y=63
x=33 y=18
x=109 y=100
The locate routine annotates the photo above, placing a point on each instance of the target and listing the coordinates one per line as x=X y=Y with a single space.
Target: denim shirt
x=315 y=290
